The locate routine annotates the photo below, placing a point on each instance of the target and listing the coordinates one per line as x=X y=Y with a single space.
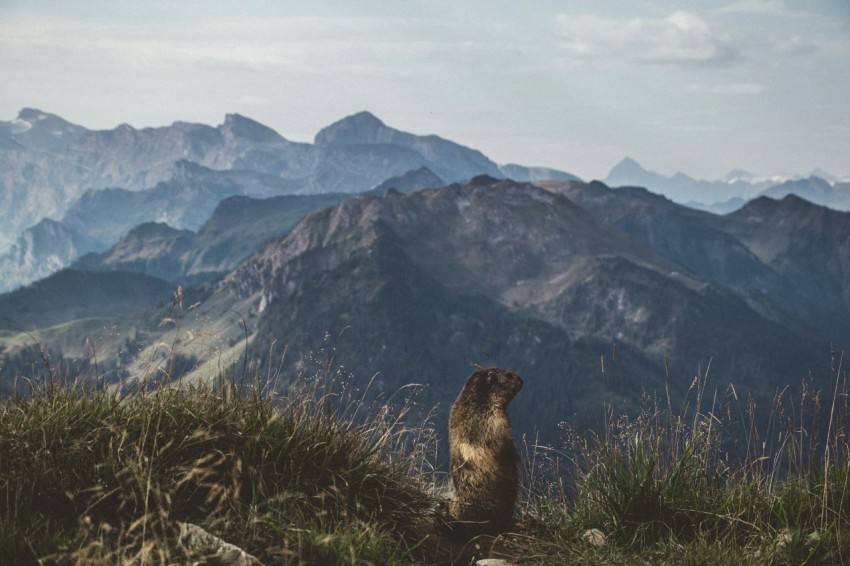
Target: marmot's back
x=482 y=454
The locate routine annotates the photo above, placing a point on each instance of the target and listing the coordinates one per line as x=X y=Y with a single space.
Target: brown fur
x=482 y=455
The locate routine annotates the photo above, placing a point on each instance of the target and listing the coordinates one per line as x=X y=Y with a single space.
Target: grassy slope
x=314 y=477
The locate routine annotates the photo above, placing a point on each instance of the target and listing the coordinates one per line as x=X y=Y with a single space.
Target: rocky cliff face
x=40 y=251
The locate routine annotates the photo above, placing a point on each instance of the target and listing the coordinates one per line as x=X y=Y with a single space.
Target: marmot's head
x=491 y=386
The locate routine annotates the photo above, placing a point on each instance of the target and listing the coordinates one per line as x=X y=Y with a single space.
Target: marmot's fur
x=482 y=455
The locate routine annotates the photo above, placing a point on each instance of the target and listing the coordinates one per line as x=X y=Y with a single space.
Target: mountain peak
x=627 y=166
x=766 y=206
x=32 y=114
x=239 y=126
x=363 y=127
x=42 y=130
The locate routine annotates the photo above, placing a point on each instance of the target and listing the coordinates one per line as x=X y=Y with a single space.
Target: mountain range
x=557 y=280
x=100 y=184
x=408 y=259
x=733 y=190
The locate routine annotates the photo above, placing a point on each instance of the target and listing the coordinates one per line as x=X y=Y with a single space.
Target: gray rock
x=198 y=541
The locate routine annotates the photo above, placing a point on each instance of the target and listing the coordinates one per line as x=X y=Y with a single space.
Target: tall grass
x=702 y=484
x=99 y=476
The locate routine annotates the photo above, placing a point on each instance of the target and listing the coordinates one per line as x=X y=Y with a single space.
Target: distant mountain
x=525 y=174
x=421 y=178
x=349 y=137
x=237 y=228
x=785 y=258
x=682 y=188
x=724 y=207
x=815 y=190
x=185 y=201
x=694 y=239
x=41 y=131
x=71 y=295
x=40 y=251
x=99 y=218
x=807 y=245
x=46 y=163
x=152 y=248
x=42 y=172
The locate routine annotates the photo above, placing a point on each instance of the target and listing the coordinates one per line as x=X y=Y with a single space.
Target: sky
x=702 y=87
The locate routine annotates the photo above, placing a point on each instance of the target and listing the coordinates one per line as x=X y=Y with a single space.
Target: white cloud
x=680 y=38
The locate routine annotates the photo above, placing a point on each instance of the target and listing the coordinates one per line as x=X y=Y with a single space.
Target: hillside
x=238 y=226
x=72 y=294
x=786 y=258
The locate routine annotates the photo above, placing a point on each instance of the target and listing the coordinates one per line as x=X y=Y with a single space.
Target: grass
x=315 y=475
x=95 y=476
x=697 y=486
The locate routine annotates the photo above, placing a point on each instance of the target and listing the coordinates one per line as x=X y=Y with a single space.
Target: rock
x=594 y=537
x=214 y=549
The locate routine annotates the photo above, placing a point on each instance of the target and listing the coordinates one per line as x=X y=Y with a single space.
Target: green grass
x=312 y=476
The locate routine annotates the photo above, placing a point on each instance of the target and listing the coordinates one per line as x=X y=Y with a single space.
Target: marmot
x=482 y=455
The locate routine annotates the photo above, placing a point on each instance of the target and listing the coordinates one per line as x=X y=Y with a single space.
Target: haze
x=700 y=87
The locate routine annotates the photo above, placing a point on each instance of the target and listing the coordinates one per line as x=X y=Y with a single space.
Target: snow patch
x=20 y=126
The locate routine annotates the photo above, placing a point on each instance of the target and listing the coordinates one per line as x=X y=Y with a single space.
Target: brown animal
x=482 y=455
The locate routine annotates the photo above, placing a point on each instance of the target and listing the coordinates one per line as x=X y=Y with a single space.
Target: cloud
x=732 y=89
x=680 y=38
x=794 y=45
x=762 y=7
x=359 y=45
